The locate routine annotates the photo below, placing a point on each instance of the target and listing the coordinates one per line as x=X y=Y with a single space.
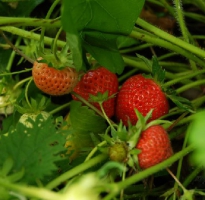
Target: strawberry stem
x=166 y=36
x=94 y=150
x=55 y=44
x=76 y=171
x=26 y=92
x=105 y=116
x=186 y=76
x=21 y=82
x=59 y=108
x=176 y=180
x=149 y=171
x=190 y=85
x=15 y=48
x=43 y=29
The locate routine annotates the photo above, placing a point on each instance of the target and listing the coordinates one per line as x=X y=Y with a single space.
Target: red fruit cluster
x=155 y=146
x=53 y=81
x=143 y=94
x=95 y=81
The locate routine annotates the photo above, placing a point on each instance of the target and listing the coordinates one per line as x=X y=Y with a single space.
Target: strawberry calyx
x=123 y=140
x=59 y=64
x=33 y=107
x=158 y=76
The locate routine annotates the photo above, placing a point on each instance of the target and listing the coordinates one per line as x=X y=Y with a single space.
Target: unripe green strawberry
x=118 y=152
x=143 y=94
x=155 y=146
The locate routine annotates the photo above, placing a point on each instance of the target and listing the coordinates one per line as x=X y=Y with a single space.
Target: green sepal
x=7 y=166
x=16 y=176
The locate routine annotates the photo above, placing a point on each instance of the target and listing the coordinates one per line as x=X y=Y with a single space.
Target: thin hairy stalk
x=168 y=45
x=168 y=37
x=76 y=170
x=15 y=48
x=185 y=33
x=30 y=35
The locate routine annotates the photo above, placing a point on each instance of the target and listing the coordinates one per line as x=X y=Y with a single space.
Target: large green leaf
x=84 y=120
x=104 y=21
x=34 y=149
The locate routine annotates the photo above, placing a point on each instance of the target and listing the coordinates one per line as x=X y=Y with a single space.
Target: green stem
x=24 y=21
x=192 y=176
x=26 y=92
x=21 y=82
x=201 y=4
x=30 y=191
x=29 y=35
x=94 y=150
x=145 y=173
x=190 y=85
x=168 y=45
x=142 y=66
x=135 y=48
x=180 y=19
x=105 y=115
x=167 y=6
x=184 y=30
x=195 y=16
x=90 y=105
x=55 y=44
x=180 y=164
x=12 y=56
x=186 y=76
x=128 y=74
x=59 y=108
x=166 y=36
x=17 y=72
x=76 y=170
x=43 y=29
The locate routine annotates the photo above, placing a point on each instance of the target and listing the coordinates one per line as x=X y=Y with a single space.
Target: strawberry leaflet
x=35 y=149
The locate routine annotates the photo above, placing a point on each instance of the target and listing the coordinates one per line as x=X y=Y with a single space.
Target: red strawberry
x=54 y=81
x=141 y=93
x=155 y=146
x=98 y=80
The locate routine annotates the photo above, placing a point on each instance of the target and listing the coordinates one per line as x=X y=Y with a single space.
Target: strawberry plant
x=102 y=100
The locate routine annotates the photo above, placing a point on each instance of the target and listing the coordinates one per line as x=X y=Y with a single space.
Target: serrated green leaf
x=157 y=71
x=146 y=61
x=85 y=120
x=99 y=97
x=16 y=176
x=7 y=166
x=181 y=102
x=35 y=149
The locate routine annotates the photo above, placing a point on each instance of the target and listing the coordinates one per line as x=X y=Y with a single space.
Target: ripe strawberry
x=155 y=146
x=141 y=93
x=54 y=81
x=98 y=80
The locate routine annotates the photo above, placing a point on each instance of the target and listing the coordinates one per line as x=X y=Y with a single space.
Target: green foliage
x=36 y=150
x=84 y=120
x=96 y=25
x=197 y=137
x=18 y=8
